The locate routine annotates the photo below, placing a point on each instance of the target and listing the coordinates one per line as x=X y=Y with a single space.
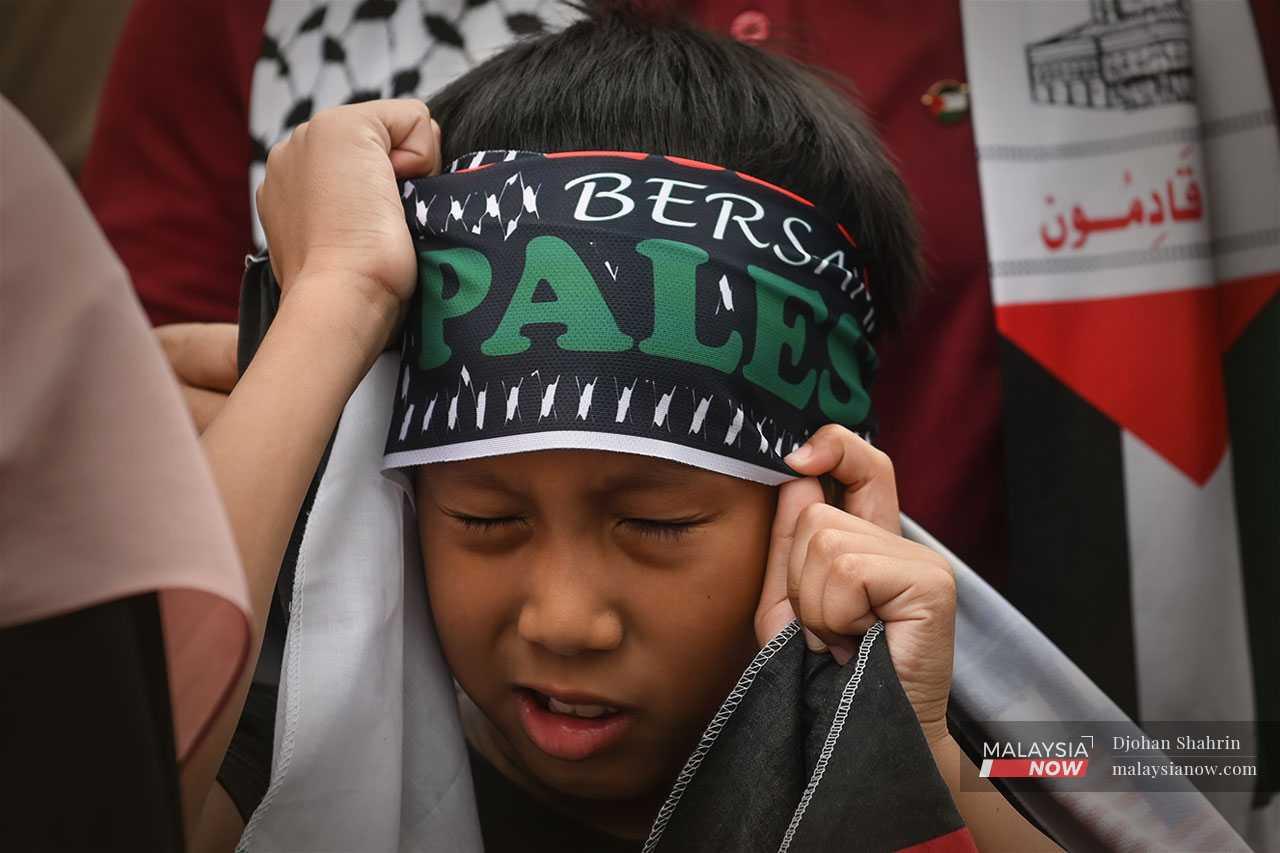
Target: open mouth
x=572 y=709
x=570 y=730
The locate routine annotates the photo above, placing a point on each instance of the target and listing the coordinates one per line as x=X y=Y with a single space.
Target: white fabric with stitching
x=368 y=753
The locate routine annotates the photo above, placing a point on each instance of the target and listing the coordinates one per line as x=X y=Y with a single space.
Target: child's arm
x=344 y=258
x=202 y=357
x=996 y=825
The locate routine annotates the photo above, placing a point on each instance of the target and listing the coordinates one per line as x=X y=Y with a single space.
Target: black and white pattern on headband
x=607 y=301
x=501 y=208
x=540 y=410
x=323 y=53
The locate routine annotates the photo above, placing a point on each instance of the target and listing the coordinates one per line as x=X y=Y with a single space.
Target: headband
x=627 y=302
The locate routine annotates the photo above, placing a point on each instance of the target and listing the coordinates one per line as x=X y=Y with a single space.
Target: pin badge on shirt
x=947 y=101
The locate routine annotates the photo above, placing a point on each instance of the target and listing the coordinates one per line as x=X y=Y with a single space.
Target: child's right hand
x=840 y=568
x=331 y=211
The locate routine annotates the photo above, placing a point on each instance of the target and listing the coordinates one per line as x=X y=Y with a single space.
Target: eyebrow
x=486 y=480
x=651 y=478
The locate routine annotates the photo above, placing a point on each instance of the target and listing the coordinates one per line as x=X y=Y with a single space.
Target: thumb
x=410 y=136
x=774 y=610
x=418 y=154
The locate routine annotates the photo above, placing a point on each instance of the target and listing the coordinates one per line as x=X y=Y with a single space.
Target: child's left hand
x=841 y=568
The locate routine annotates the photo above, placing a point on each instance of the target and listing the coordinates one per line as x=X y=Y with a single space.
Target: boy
x=597 y=598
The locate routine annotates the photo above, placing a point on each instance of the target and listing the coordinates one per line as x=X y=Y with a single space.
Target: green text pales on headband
x=589 y=325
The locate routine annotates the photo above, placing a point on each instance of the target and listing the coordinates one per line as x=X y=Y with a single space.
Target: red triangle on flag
x=1151 y=362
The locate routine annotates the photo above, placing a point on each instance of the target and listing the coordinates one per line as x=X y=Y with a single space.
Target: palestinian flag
x=1131 y=189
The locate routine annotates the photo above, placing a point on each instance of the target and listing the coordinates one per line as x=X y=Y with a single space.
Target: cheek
x=468 y=606
x=701 y=620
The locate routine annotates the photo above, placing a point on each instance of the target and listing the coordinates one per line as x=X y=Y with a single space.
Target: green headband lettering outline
x=590 y=326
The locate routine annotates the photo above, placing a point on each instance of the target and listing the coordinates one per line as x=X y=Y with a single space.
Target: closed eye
x=486 y=523
x=664 y=528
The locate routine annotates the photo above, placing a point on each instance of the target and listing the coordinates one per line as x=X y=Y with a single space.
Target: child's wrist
x=946 y=753
x=936 y=734
x=358 y=316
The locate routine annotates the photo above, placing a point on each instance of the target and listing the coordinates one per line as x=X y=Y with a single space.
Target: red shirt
x=938 y=393
x=168 y=171
x=168 y=179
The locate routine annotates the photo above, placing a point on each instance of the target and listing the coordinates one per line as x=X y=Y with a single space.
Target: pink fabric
x=104 y=491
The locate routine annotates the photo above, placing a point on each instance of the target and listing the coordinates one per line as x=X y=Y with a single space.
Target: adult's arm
x=167 y=173
x=104 y=497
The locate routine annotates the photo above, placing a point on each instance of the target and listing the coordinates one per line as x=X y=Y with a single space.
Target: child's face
x=606 y=579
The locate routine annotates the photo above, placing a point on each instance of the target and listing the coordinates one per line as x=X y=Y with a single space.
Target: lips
x=571 y=726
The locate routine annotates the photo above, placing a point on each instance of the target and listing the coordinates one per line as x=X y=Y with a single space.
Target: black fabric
x=1069 y=556
x=631 y=296
x=511 y=821
x=880 y=789
x=246 y=768
x=86 y=733
x=1252 y=374
x=259 y=302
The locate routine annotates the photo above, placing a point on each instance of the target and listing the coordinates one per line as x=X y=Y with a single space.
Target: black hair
x=633 y=79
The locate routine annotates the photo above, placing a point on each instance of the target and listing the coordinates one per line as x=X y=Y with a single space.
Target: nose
x=565 y=612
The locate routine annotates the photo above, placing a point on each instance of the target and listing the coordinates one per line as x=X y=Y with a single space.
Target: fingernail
x=798 y=456
x=841 y=653
x=811 y=640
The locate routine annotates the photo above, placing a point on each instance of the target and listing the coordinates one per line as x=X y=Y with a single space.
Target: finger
x=774 y=610
x=202 y=354
x=204 y=405
x=411 y=135
x=418 y=155
x=846 y=610
x=814 y=518
x=815 y=522
x=808 y=579
x=915 y=600
x=865 y=472
x=826 y=539
x=825 y=552
x=885 y=588
x=865 y=536
x=845 y=604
